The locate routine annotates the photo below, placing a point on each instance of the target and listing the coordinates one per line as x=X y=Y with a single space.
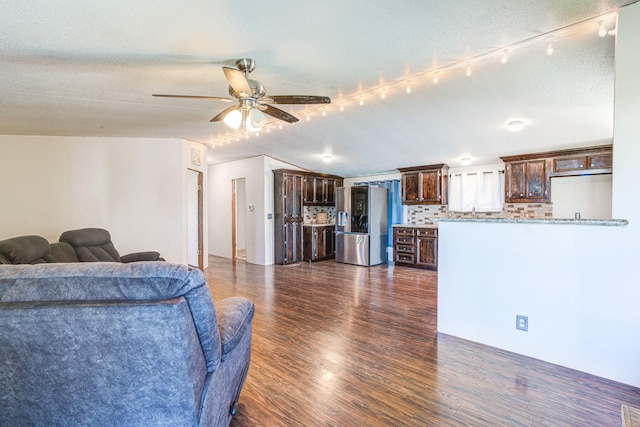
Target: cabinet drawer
x=404 y=231
x=404 y=240
x=405 y=249
x=404 y=258
x=427 y=232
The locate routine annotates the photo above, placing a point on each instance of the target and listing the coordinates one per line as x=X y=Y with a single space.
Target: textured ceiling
x=89 y=69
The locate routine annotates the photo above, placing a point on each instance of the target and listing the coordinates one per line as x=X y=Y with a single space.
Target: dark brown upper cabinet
x=424 y=185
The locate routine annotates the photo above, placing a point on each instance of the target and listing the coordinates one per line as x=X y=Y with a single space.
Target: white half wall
x=133 y=187
x=577 y=284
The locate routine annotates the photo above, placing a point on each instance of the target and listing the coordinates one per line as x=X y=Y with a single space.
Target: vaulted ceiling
x=89 y=69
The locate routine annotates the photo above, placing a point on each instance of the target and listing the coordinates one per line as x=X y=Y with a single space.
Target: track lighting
x=247 y=118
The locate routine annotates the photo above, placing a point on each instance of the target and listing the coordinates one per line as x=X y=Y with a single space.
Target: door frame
x=200 y=217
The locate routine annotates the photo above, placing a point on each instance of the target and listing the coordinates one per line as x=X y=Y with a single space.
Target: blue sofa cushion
x=235 y=315
x=150 y=281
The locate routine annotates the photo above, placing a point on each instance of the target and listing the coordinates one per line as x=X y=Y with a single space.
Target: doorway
x=239 y=219
x=195 y=250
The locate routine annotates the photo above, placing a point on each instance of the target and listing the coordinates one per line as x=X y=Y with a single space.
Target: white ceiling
x=89 y=69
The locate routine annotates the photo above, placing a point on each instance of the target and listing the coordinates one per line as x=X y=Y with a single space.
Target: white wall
x=577 y=284
x=133 y=187
x=259 y=193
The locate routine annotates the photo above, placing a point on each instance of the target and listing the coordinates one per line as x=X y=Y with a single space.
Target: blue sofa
x=110 y=344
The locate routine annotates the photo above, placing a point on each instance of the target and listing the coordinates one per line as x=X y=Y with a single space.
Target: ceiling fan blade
x=300 y=99
x=215 y=98
x=238 y=81
x=221 y=115
x=279 y=114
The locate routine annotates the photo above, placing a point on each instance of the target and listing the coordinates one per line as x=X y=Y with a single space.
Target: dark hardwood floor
x=341 y=345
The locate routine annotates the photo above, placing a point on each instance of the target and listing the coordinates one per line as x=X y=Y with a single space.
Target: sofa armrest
x=141 y=256
x=235 y=315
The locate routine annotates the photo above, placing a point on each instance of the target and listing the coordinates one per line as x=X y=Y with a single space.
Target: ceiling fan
x=253 y=103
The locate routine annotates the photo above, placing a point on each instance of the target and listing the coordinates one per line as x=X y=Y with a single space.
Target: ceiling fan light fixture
x=233 y=119
x=465 y=161
x=255 y=120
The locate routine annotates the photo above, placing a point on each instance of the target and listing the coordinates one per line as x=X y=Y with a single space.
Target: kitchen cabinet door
x=293 y=196
x=410 y=187
x=330 y=242
x=432 y=187
x=329 y=192
x=526 y=181
x=309 y=190
x=427 y=248
x=292 y=241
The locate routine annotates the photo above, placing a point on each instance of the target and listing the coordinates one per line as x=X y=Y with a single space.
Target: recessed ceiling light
x=327 y=159
x=465 y=161
x=515 y=126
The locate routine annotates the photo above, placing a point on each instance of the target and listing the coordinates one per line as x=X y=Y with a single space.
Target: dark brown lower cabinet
x=416 y=247
x=319 y=242
x=292 y=242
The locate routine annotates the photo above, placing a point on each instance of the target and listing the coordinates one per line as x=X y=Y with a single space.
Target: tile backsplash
x=422 y=214
x=310 y=213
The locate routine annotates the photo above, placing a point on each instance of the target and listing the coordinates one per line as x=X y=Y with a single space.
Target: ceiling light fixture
x=602 y=30
x=435 y=79
x=361 y=100
x=342 y=106
x=515 y=126
x=505 y=56
x=233 y=119
x=327 y=158
x=384 y=93
x=465 y=161
x=324 y=111
x=550 y=48
x=408 y=90
x=469 y=72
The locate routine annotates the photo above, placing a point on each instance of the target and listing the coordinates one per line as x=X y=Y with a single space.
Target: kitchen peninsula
x=556 y=272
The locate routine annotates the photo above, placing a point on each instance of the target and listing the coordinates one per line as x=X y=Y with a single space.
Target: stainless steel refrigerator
x=361 y=225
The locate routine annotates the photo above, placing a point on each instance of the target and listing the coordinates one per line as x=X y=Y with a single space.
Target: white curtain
x=481 y=190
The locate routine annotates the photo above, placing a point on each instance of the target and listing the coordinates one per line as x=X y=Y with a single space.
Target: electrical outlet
x=522 y=322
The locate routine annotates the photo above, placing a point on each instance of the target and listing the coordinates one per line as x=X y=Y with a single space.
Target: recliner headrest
x=25 y=249
x=86 y=237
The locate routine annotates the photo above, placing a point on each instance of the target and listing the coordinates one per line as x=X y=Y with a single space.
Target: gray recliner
x=117 y=344
x=94 y=244
x=35 y=250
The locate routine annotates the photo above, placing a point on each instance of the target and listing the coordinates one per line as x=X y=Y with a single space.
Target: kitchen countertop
x=432 y=225
x=606 y=222
x=308 y=224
